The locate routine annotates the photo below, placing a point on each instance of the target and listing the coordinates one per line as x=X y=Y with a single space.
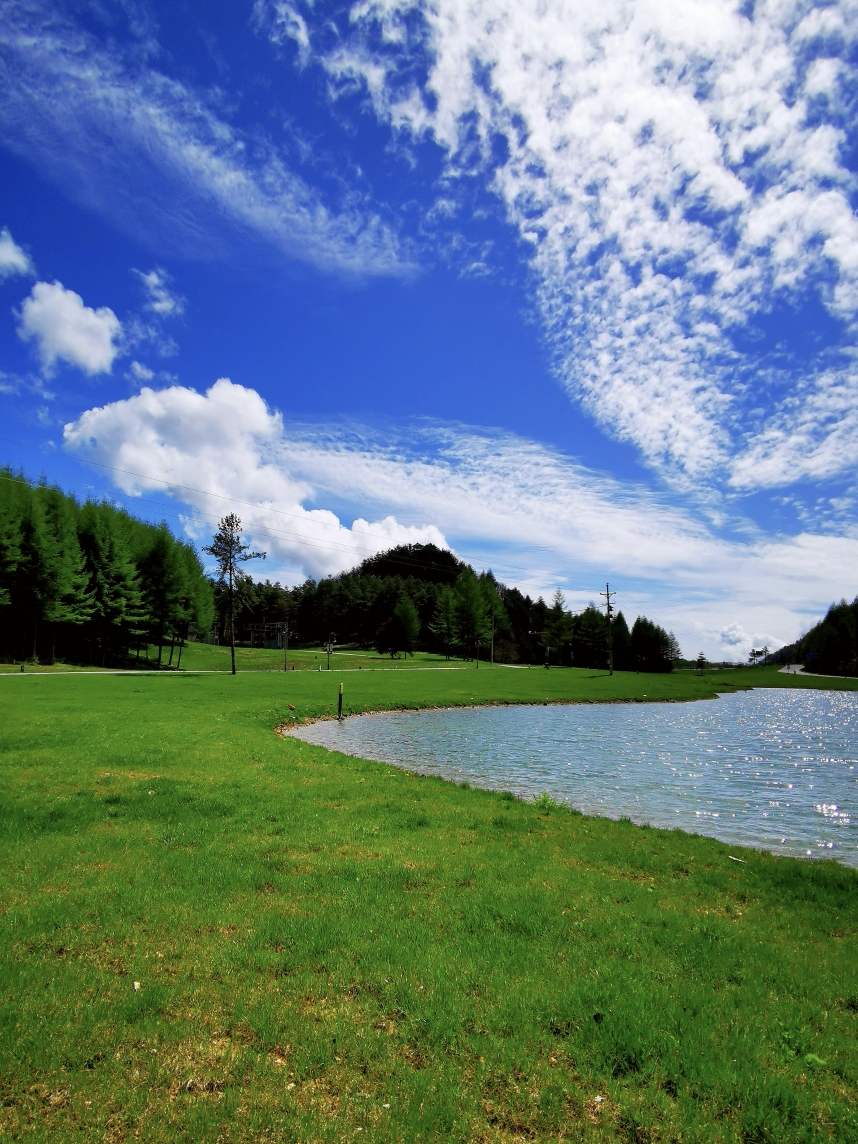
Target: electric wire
x=266 y=508
x=202 y=516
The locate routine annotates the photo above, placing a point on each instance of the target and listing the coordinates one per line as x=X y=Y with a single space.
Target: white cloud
x=668 y=171
x=817 y=440
x=734 y=635
x=13 y=260
x=64 y=329
x=160 y=299
x=535 y=516
x=162 y=160
x=140 y=373
x=227 y=444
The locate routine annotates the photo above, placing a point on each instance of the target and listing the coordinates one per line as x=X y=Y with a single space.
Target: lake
x=770 y=768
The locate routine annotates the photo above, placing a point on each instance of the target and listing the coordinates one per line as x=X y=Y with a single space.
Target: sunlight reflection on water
x=769 y=768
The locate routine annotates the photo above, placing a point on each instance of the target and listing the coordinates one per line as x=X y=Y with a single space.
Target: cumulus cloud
x=734 y=635
x=64 y=329
x=537 y=517
x=160 y=159
x=226 y=446
x=13 y=260
x=677 y=169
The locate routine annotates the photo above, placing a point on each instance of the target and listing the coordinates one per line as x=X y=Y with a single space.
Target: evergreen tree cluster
x=90 y=583
x=831 y=647
x=420 y=597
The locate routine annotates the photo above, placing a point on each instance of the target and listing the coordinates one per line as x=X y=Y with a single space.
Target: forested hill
x=421 y=596
x=422 y=561
x=831 y=647
x=89 y=582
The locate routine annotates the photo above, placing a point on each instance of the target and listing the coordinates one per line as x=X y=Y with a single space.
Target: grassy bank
x=330 y=949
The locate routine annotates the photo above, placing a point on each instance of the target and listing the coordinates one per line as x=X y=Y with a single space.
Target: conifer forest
x=91 y=583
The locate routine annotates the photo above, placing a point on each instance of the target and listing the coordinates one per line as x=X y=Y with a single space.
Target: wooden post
x=340 y=703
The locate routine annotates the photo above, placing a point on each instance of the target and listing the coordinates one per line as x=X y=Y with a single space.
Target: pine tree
x=472 y=622
x=197 y=604
x=229 y=551
x=652 y=647
x=496 y=616
x=443 y=626
x=36 y=573
x=10 y=555
x=162 y=584
x=70 y=600
x=622 y=642
x=118 y=613
x=561 y=628
x=400 y=631
x=590 y=644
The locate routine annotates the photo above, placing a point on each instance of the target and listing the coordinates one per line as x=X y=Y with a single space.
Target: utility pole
x=609 y=611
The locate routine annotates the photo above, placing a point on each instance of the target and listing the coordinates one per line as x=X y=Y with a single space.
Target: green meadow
x=209 y=657
x=213 y=933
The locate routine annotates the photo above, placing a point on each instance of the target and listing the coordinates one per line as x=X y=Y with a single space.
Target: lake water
x=769 y=768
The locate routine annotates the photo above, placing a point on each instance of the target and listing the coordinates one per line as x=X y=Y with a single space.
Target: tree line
x=831 y=646
x=420 y=597
x=90 y=583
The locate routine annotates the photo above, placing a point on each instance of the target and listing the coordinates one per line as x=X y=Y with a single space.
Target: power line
x=200 y=515
x=637 y=603
x=174 y=485
x=261 y=508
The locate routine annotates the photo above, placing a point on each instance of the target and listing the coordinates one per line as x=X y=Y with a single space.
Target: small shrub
x=546 y=803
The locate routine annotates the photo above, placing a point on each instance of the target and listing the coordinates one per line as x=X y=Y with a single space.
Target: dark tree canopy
x=831 y=647
x=89 y=582
x=422 y=561
x=93 y=584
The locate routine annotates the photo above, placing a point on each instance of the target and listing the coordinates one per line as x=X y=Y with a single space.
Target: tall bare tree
x=227 y=549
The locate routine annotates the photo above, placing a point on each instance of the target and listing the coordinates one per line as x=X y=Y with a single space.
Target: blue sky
x=572 y=288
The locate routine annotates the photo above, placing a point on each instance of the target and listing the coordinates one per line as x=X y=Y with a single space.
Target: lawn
x=209 y=657
x=201 y=657
x=213 y=933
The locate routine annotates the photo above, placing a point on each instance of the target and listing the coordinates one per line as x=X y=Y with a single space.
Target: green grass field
x=202 y=657
x=329 y=949
x=207 y=657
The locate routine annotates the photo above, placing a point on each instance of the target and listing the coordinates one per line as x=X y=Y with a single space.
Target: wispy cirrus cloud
x=158 y=159
x=536 y=516
x=681 y=172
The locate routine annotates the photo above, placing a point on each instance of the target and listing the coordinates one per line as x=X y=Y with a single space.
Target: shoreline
x=292 y=729
x=285 y=728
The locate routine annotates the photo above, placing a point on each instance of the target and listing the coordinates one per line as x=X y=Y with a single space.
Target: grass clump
x=324 y=944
